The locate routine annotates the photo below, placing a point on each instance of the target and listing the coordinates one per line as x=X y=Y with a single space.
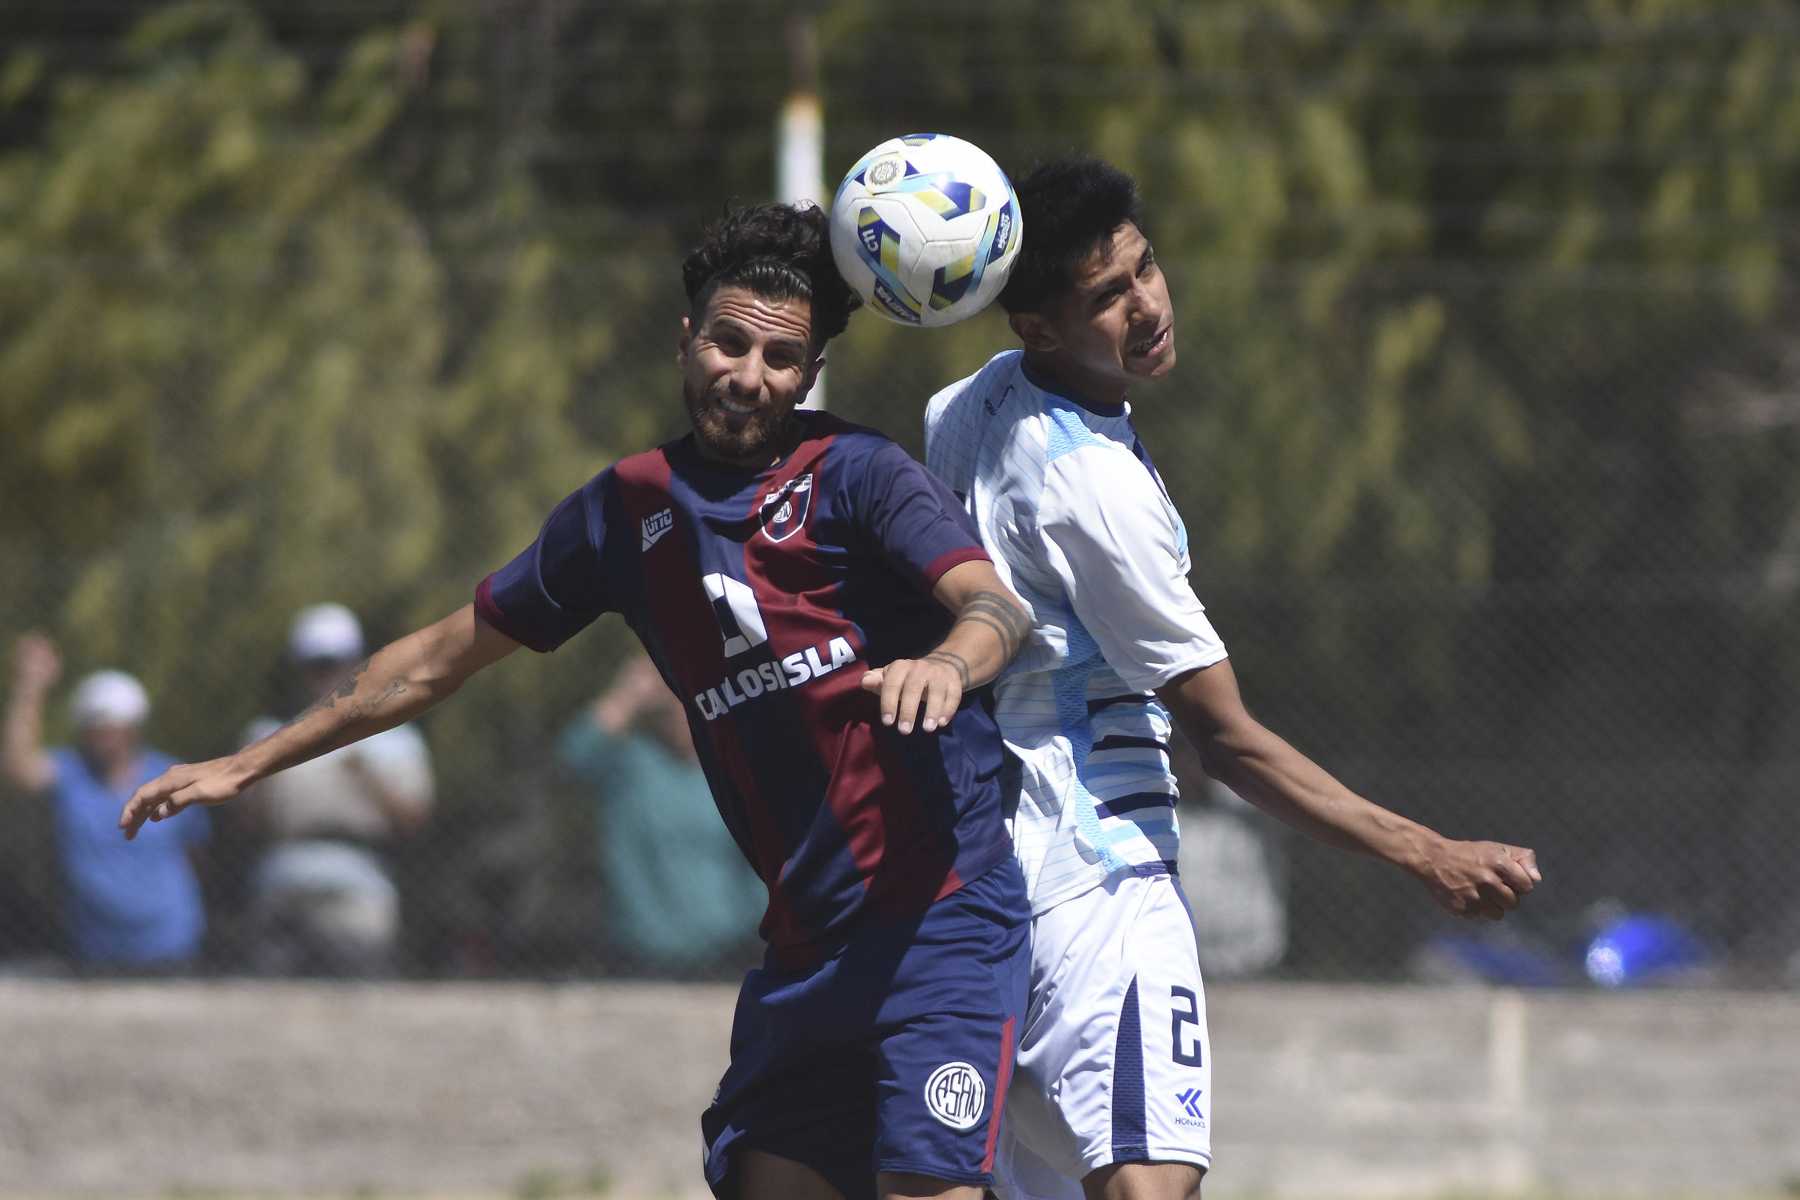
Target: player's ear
x=812 y=373
x=684 y=341
x=1034 y=330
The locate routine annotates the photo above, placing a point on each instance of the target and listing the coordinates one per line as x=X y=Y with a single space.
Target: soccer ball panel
x=925 y=228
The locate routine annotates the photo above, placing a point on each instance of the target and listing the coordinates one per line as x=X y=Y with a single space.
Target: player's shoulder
x=985 y=390
x=646 y=466
x=847 y=442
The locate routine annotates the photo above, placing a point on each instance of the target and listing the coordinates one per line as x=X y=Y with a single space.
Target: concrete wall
x=1322 y=1091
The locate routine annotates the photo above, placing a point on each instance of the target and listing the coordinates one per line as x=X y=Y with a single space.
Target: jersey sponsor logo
x=657 y=524
x=1190 y=1103
x=801 y=667
x=956 y=1095
x=784 y=510
x=735 y=608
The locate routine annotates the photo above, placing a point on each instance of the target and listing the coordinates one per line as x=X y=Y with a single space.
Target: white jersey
x=1080 y=526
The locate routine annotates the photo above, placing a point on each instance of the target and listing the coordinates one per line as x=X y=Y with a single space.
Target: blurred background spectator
x=680 y=899
x=322 y=895
x=132 y=907
x=1234 y=872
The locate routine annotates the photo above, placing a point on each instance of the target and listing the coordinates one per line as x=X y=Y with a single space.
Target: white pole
x=800 y=137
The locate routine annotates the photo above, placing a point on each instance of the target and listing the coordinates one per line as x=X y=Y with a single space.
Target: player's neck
x=1092 y=392
x=776 y=449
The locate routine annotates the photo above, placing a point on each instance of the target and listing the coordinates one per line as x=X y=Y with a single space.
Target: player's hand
x=1479 y=879
x=36 y=664
x=928 y=689
x=183 y=786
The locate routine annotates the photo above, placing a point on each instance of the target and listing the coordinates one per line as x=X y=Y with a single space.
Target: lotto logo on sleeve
x=956 y=1095
x=656 y=525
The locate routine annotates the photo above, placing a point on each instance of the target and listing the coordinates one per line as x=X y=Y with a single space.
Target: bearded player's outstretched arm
x=395 y=684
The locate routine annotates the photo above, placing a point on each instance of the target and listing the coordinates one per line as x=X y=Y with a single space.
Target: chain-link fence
x=1509 y=541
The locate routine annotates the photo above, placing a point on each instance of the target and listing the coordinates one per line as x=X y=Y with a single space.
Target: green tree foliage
x=255 y=374
x=1480 y=313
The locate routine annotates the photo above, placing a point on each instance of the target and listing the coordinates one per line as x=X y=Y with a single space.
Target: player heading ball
x=824 y=610
x=1115 y=1085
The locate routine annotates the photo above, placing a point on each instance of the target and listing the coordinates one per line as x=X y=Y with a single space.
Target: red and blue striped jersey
x=764 y=597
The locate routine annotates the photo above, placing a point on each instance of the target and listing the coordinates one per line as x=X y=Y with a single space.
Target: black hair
x=779 y=252
x=1068 y=206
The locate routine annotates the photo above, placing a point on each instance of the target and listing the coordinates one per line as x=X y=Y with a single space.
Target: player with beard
x=1114 y=1083
x=813 y=597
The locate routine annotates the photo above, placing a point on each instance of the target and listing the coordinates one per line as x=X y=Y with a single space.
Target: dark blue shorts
x=892 y=1055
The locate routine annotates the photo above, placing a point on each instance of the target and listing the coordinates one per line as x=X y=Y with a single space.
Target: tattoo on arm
x=1003 y=616
x=342 y=692
x=951 y=659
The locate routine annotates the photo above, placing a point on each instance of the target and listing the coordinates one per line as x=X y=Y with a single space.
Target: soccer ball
x=926 y=229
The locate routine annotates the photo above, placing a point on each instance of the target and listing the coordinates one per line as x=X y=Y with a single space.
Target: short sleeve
x=1116 y=546
x=558 y=585
x=916 y=520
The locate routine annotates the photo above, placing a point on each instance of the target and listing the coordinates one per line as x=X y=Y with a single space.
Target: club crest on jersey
x=784 y=511
x=656 y=525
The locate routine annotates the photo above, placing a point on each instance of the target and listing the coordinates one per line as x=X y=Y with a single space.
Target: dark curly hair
x=778 y=251
x=1068 y=206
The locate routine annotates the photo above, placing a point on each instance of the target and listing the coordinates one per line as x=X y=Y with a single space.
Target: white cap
x=325 y=631
x=109 y=698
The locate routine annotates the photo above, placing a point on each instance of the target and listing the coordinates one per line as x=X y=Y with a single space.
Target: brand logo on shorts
x=956 y=1095
x=1190 y=1102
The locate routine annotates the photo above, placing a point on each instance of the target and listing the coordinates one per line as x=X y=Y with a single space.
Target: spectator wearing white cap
x=323 y=899
x=132 y=907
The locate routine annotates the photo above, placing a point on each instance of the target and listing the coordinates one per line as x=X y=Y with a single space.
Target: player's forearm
x=1239 y=751
x=1262 y=767
x=393 y=686
x=989 y=630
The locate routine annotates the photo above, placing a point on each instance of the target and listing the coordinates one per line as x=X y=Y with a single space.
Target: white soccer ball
x=926 y=229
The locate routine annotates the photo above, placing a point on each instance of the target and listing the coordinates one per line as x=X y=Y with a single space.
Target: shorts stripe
x=1130 y=1136
x=1002 y=1077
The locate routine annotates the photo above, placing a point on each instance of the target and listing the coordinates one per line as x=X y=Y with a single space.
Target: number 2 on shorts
x=1185 y=1011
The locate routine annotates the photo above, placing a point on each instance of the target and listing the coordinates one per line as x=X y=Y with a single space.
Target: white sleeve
x=1114 y=541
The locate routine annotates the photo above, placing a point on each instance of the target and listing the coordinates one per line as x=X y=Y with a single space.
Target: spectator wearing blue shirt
x=126 y=906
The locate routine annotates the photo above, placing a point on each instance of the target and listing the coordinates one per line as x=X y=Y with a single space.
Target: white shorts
x=1114 y=1065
